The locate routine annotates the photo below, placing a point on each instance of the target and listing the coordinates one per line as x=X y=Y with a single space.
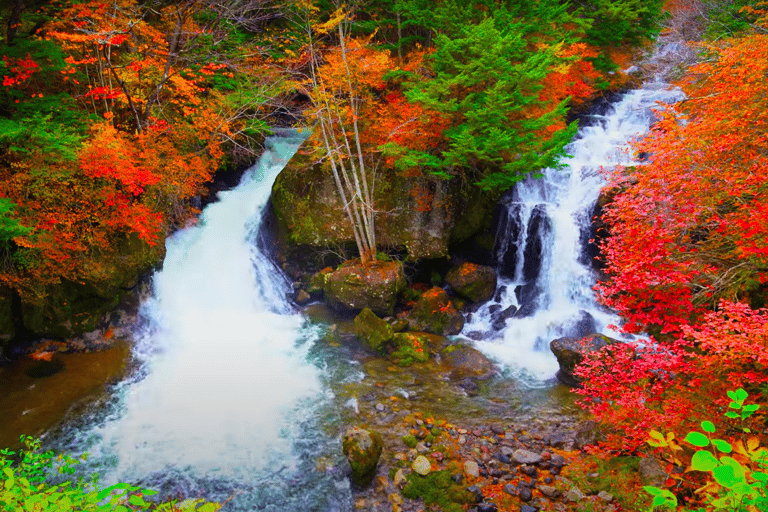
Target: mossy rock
x=420 y=215
x=435 y=313
x=70 y=308
x=410 y=347
x=372 y=330
x=475 y=282
x=354 y=286
x=438 y=488
x=7 y=329
x=362 y=448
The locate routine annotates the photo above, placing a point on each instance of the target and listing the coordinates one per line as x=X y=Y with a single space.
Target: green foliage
x=616 y=22
x=726 y=18
x=10 y=228
x=25 y=486
x=488 y=80
x=437 y=488
x=734 y=483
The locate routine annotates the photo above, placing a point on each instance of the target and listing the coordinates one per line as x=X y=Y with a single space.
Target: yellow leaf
x=336 y=18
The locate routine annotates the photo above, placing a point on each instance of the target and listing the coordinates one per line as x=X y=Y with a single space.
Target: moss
x=410 y=441
x=437 y=488
x=372 y=330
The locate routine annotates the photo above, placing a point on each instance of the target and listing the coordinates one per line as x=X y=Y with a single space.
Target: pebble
x=421 y=465
x=503 y=458
x=399 y=478
x=524 y=493
x=548 y=490
x=496 y=429
x=510 y=489
x=471 y=469
x=380 y=407
x=487 y=507
x=605 y=496
x=421 y=448
x=527 y=508
x=438 y=456
x=574 y=494
x=462 y=439
x=526 y=457
x=528 y=470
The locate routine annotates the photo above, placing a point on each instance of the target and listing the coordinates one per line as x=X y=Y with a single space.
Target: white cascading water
x=226 y=391
x=542 y=243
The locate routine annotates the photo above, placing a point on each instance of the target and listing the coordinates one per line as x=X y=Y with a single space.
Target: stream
x=232 y=394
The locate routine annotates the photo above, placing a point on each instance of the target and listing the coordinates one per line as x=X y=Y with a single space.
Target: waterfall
x=544 y=273
x=226 y=401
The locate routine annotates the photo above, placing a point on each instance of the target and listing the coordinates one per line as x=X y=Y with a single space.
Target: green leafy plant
x=736 y=478
x=25 y=486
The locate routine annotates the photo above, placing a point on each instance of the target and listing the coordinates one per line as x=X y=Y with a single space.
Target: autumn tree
x=687 y=258
x=488 y=81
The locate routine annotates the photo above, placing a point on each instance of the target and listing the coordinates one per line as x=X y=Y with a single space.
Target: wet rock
x=500 y=321
x=354 y=286
x=302 y=297
x=571 y=351
x=467 y=362
x=475 y=282
x=510 y=489
x=526 y=457
x=434 y=313
x=421 y=465
x=525 y=494
x=362 y=449
x=410 y=347
x=528 y=470
x=487 y=507
x=372 y=330
x=527 y=508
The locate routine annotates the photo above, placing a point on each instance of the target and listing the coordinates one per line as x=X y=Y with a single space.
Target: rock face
x=571 y=351
x=354 y=286
x=475 y=282
x=421 y=215
x=434 y=312
x=372 y=330
x=362 y=449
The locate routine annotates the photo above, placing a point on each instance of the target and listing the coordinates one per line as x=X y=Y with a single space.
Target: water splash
x=541 y=245
x=226 y=403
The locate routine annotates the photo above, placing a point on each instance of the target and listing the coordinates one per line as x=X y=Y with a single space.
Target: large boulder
x=372 y=330
x=467 y=362
x=354 y=286
x=571 y=351
x=362 y=448
x=475 y=282
x=416 y=347
x=420 y=215
x=434 y=312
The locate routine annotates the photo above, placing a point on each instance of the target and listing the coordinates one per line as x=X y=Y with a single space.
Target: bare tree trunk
x=353 y=183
